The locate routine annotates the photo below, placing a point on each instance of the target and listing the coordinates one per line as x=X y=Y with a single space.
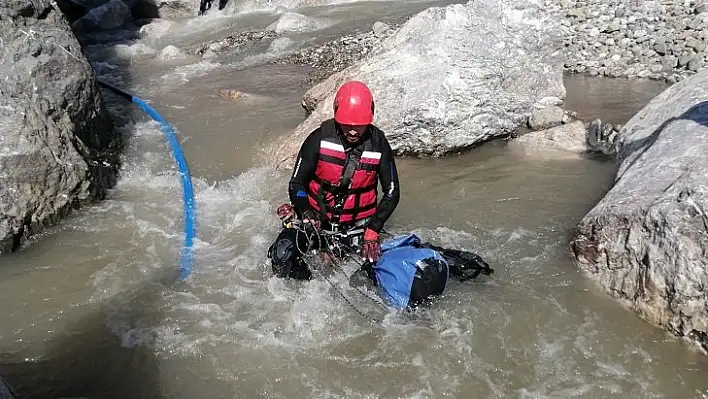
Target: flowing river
x=91 y=309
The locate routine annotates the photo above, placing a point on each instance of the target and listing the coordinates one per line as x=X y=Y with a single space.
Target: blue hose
x=185 y=267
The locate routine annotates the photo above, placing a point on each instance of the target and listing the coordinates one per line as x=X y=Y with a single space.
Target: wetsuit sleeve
x=304 y=172
x=388 y=176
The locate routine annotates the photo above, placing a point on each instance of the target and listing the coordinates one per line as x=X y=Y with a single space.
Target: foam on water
x=183 y=73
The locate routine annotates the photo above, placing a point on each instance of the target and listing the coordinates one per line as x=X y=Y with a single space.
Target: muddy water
x=91 y=310
x=608 y=103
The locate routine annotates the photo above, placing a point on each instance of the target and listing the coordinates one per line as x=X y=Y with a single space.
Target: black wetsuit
x=306 y=163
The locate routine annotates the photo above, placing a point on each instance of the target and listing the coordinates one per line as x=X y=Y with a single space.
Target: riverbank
x=612 y=38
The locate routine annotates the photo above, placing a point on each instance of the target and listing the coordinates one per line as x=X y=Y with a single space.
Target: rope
x=185 y=266
x=360 y=263
x=337 y=261
x=356 y=309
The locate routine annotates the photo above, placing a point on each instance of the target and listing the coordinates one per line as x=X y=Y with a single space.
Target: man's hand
x=311 y=218
x=371 y=250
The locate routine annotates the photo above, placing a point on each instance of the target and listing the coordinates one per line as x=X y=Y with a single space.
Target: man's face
x=353 y=133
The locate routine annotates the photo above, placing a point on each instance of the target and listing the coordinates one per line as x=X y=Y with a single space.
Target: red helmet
x=354 y=104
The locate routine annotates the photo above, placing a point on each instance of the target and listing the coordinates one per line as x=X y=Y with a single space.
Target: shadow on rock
x=697 y=113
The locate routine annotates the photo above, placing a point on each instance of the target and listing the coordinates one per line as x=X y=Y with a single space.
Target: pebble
x=662 y=39
x=231 y=42
x=339 y=54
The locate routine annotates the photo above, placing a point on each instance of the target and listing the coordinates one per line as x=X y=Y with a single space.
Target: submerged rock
x=452 y=77
x=172 y=53
x=232 y=94
x=58 y=147
x=156 y=28
x=645 y=243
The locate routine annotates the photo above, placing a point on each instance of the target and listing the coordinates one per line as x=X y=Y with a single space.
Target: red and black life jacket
x=345 y=183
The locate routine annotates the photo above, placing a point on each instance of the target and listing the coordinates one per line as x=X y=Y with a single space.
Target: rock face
x=451 y=78
x=646 y=242
x=636 y=39
x=58 y=147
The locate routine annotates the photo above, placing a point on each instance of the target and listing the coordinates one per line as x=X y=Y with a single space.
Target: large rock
x=451 y=78
x=569 y=138
x=110 y=15
x=646 y=242
x=58 y=147
x=546 y=118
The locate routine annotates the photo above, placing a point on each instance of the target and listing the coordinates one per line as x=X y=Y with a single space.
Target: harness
x=343 y=189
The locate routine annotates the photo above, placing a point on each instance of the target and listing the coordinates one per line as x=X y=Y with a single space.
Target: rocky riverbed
x=336 y=55
x=239 y=40
x=634 y=39
x=664 y=40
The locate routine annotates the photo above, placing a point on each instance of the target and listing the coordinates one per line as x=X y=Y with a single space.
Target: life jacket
x=344 y=188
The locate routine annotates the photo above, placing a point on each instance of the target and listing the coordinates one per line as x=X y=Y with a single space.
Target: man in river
x=334 y=183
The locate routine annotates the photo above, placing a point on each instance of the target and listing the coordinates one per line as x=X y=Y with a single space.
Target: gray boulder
x=170 y=9
x=58 y=147
x=95 y=15
x=545 y=118
x=380 y=29
x=568 y=137
x=110 y=15
x=451 y=78
x=646 y=242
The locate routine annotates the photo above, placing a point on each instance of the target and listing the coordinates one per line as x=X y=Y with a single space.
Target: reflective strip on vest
x=329 y=169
